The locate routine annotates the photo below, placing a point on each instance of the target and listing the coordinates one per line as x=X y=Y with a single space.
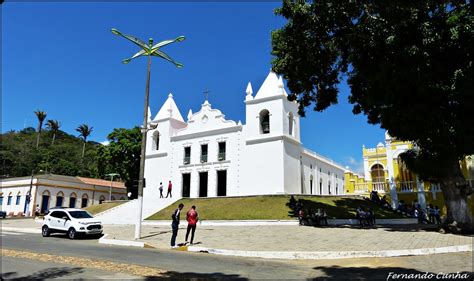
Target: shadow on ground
x=50 y=273
x=384 y=273
x=172 y=275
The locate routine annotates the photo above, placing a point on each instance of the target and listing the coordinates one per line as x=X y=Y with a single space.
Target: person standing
x=161 y=190
x=170 y=187
x=192 y=217
x=175 y=224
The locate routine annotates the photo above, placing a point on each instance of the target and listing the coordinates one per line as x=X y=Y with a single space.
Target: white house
x=56 y=191
x=209 y=156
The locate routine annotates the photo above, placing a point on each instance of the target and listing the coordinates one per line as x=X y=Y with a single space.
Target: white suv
x=70 y=221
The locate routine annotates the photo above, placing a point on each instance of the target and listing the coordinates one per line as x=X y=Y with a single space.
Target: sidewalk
x=296 y=238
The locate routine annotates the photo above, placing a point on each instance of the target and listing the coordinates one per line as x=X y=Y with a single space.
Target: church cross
x=206 y=92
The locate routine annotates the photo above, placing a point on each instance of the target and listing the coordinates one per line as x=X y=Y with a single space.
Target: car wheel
x=71 y=233
x=45 y=231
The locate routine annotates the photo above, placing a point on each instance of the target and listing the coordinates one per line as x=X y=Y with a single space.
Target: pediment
x=206 y=119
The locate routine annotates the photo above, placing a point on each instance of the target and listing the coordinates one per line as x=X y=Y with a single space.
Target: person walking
x=175 y=224
x=170 y=187
x=161 y=190
x=192 y=217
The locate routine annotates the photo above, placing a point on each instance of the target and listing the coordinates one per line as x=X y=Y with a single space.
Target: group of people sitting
x=431 y=215
x=310 y=217
x=383 y=202
x=365 y=217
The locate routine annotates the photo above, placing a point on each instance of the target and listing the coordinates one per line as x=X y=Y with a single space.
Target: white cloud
x=105 y=142
x=355 y=165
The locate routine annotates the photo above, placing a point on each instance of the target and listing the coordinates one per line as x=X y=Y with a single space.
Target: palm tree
x=41 y=115
x=53 y=126
x=84 y=132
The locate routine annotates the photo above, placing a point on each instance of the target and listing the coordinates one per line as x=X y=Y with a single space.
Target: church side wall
x=292 y=168
x=262 y=168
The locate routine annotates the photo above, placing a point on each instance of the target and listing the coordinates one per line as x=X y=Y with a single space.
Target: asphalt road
x=196 y=264
x=202 y=265
x=15 y=269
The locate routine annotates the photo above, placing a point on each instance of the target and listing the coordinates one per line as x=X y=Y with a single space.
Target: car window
x=54 y=214
x=61 y=214
x=80 y=214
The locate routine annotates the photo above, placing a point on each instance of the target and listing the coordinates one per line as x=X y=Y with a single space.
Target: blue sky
x=62 y=58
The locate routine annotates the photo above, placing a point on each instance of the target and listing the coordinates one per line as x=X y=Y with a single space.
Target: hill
x=20 y=156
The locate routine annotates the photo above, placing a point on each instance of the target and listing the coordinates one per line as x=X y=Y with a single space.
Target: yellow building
x=385 y=173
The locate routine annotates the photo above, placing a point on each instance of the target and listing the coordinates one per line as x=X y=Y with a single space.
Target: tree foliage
x=20 y=157
x=122 y=156
x=409 y=65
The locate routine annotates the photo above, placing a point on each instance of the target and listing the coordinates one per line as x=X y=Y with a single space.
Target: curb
x=104 y=240
x=333 y=254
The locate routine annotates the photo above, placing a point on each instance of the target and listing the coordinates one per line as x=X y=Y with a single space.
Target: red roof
x=100 y=182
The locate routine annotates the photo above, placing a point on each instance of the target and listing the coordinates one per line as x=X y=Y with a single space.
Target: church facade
x=208 y=155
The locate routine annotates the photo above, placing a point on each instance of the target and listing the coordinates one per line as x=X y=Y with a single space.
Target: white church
x=209 y=156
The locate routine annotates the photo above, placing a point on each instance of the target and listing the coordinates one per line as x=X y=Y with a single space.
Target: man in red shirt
x=192 y=218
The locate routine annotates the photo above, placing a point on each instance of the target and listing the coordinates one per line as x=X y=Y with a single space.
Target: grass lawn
x=95 y=209
x=271 y=207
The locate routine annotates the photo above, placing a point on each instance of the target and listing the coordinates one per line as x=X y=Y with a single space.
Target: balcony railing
x=380 y=186
x=221 y=156
x=187 y=160
x=405 y=186
x=204 y=158
x=361 y=187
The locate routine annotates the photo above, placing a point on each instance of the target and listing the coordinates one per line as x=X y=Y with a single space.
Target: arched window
x=59 y=199
x=72 y=200
x=45 y=201
x=84 y=201
x=264 y=122
x=290 y=123
x=156 y=140
x=9 y=200
x=377 y=173
x=378 y=177
x=122 y=198
x=113 y=198
x=18 y=198
x=101 y=199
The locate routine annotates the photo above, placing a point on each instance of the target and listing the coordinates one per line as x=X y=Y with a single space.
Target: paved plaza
x=297 y=238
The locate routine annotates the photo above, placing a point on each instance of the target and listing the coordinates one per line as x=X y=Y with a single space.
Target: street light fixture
x=146 y=50
x=111 y=175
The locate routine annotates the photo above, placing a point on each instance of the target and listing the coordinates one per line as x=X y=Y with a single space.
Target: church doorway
x=203 y=184
x=222 y=183
x=186 y=185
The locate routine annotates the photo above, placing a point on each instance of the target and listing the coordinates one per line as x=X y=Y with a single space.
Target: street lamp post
x=146 y=50
x=111 y=175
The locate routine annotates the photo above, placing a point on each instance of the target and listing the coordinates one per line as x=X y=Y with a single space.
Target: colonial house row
x=52 y=190
x=385 y=172
x=208 y=155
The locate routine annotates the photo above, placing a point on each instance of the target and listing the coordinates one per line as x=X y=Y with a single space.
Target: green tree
x=84 y=132
x=41 y=115
x=409 y=66
x=122 y=155
x=53 y=126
